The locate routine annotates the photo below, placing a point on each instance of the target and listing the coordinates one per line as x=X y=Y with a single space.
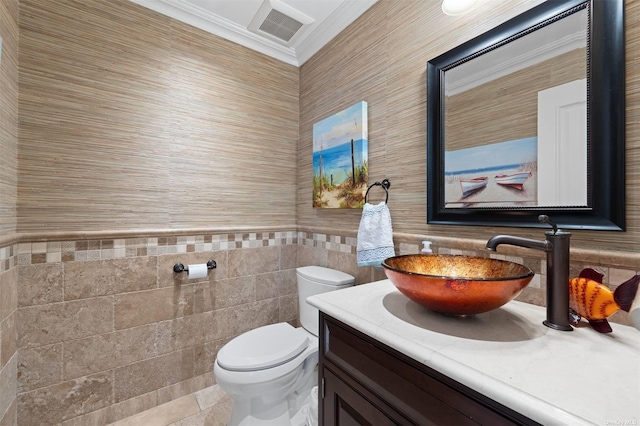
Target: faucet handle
x=543 y=218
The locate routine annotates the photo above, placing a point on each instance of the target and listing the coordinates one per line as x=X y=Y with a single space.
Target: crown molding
x=296 y=55
x=335 y=23
x=511 y=64
x=199 y=18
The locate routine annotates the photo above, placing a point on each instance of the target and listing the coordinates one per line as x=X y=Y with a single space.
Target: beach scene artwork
x=502 y=174
x=340 y=159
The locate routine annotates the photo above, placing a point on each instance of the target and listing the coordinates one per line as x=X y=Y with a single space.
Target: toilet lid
x=262 y=348
x=325 y=275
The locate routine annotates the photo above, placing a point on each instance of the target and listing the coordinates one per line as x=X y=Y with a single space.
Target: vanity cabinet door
x=352 y=406
x=369 y=383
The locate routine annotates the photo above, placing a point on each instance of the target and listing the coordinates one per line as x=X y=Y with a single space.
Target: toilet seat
x=262 y=348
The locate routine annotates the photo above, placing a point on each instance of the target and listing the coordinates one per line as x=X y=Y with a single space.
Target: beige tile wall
x=8 y=340
x=105 y=328
x=104 y=331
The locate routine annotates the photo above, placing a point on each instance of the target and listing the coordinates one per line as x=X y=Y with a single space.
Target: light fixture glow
x=457 y=7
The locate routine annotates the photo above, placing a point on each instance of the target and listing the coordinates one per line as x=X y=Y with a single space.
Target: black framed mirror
x=529 y=119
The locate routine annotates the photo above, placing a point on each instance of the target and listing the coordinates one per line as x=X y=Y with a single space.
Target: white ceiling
x=231 y=20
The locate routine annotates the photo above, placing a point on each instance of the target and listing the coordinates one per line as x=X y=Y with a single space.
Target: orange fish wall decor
x=592 y=300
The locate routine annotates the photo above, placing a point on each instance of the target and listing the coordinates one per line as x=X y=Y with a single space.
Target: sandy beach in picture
x=334 y=198
x=493 y=194
x=341 y=159
x=501 y=174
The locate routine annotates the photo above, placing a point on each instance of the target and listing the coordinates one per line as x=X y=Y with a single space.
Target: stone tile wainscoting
x=96 y=331
x=8 y=348
x=105 y=329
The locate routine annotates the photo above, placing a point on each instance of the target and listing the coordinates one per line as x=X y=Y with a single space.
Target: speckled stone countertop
x=553 y=377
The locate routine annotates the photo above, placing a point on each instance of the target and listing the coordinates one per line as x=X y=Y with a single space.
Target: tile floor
x=208 y=407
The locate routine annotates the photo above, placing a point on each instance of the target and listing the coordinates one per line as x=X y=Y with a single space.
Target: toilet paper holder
x=179 y=267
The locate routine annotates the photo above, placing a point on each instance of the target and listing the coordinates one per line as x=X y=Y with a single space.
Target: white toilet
x=271 y=370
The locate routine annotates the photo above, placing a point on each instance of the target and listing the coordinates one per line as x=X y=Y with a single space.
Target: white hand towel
x=375 y=235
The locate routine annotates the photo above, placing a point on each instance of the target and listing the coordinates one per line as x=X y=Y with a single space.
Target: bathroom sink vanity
x=366 y=382
x=387 y=360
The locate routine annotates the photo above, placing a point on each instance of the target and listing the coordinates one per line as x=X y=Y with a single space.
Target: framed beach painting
x=502 y=174
x=340 y=159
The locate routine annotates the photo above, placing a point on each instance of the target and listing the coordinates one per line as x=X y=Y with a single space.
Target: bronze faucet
x=556 y=245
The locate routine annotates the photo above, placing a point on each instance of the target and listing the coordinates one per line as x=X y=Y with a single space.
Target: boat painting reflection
x=470 y=186
x=515 y=180
x=501 y=174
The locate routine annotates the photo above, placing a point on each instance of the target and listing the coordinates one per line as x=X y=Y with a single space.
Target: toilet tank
x=314 y=280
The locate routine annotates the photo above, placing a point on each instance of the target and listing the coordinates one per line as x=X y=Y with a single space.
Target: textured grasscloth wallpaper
x=8 y=116
x=132 y=120
x=381 y=59
x=137 y=127
x=517 y=102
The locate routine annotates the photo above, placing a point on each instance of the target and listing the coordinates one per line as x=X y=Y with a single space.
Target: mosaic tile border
x=80 y=250
x=8 y=257
x=339 y=243
x=66 y=251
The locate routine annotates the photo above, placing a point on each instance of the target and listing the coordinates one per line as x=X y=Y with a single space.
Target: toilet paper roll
x=198 y=270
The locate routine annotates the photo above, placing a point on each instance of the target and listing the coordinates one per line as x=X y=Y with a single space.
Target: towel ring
x=385 y=184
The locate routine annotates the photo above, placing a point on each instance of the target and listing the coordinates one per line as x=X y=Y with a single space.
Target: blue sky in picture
x=496 y=156
x=341 y=127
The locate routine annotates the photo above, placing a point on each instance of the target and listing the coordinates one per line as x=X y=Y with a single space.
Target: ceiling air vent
x=280 y=25
x=279 y=22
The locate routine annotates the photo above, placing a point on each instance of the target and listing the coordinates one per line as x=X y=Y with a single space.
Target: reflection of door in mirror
x=491 y=120
x=562 y=145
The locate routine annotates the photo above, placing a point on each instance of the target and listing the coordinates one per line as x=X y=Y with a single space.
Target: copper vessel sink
x=457 y=285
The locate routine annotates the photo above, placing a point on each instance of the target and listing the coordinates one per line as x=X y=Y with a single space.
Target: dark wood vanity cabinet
x=364 y=382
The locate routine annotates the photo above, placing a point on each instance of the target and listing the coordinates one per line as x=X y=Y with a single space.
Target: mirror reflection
x=511 y=131
x=515 y=122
